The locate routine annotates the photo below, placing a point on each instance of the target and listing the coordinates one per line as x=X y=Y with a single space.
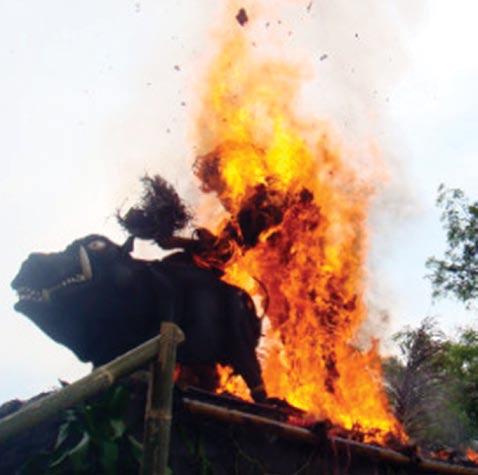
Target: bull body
x=99 y=301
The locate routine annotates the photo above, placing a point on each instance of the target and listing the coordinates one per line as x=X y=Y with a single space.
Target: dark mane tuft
x=159 y=214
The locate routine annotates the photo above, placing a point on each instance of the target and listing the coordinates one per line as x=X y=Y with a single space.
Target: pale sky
x=91 y=100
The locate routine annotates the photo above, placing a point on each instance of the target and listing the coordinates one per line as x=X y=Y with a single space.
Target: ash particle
x=242 y=17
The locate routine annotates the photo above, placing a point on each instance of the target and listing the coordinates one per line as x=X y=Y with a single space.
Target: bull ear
x=128 y=246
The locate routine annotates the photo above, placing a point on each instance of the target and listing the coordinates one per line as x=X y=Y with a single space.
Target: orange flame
x=472 y=455
x=277 y=173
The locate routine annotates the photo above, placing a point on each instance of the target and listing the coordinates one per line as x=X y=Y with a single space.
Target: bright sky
x=91 y=99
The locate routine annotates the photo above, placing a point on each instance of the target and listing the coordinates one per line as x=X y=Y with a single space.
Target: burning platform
x=286 y=224
x=220 y=434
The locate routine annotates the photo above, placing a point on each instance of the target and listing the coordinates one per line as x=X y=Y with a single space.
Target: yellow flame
x=312 y=262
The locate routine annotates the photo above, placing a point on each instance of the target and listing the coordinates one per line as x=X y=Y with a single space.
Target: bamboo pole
x=301 y=434
x=99 y=380
x=158 y=413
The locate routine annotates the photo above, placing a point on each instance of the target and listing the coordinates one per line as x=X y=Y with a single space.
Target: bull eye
x=96 y=245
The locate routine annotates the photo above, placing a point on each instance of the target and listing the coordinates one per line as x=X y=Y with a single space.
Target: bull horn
x=85 y=264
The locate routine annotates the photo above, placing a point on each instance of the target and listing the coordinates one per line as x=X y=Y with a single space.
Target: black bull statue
x=100 y=302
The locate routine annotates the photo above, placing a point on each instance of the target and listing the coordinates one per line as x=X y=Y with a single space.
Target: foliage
x=433 y=384
x=461 y=363
x=457 y=273
x=419 y=386
x=196 y=449
x=92 y=440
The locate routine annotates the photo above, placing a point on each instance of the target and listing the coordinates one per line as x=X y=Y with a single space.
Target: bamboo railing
x=161 y=352
x=158 y=414
x=304 y=435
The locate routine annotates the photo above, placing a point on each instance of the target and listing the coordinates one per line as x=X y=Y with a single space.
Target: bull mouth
x=43 y=295
x=28 y=294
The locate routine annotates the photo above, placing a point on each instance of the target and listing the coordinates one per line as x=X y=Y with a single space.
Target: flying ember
x=293 y=230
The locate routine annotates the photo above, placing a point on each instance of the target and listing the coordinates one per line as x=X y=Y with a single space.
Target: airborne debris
x=324 y=56
x=177 y=68
x=242 y=17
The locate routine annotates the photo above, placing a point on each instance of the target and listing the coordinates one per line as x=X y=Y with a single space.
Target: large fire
x=294 y=232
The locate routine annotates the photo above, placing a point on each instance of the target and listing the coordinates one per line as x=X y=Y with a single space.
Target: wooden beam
x=99 y=380
x=301 y=434
x=158 y=414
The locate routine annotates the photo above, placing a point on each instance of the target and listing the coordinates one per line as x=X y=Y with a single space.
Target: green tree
x=460 y=361
x=433 y=384
x=421 y=390
x=457 y=273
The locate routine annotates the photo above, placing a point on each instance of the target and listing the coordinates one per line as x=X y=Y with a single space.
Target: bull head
x=60 y=291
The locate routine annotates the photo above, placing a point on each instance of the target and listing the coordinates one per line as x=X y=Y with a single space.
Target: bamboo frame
x=158 y=414
x=99 y=380
x=301 y=434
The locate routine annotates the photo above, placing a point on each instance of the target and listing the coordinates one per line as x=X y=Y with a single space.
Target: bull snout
x=54 y=271
x=32 y=270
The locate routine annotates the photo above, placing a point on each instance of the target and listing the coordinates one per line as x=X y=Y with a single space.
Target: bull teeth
x=25 y=293
x=85 y=264
x=44 y=295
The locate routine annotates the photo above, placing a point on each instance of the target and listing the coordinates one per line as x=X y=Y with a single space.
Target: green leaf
x=118 y=427
x=64 y=432
x=136 y=448
x=109 y=454
x=118 y=401
x=79 y=454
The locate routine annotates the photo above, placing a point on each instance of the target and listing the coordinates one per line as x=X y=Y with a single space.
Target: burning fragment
x=472 y=455
x=242 y=17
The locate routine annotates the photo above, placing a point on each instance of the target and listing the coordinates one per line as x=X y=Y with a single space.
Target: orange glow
x=311 y=209
x=472 y=456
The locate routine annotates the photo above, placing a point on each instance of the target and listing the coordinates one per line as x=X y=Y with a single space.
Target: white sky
x=90 y=100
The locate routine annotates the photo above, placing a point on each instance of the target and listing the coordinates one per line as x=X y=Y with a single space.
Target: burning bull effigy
x=289 y=230
x=99 y=301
